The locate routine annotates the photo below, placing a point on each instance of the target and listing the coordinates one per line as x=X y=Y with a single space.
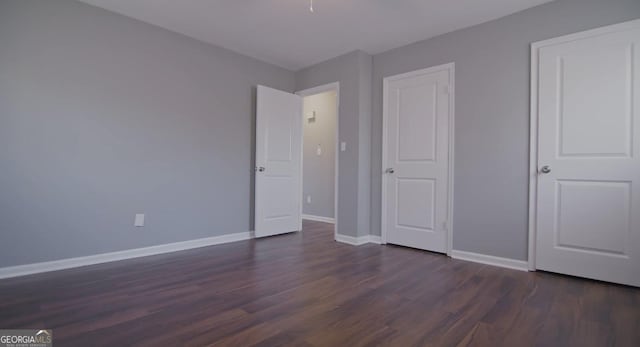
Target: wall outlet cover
x=311 y=116
x=139 y=220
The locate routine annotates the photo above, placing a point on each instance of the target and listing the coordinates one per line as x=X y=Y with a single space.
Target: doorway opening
x=320 y=152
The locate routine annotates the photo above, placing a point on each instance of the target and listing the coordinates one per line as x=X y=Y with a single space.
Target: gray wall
x=492 y=115
x=355 y=91
x=102 y=116
x=365 y=99
x=319 y=170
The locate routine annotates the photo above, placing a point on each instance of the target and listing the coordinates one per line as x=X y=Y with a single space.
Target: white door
x=416 y=158
x=588 y=197
x=278 y=161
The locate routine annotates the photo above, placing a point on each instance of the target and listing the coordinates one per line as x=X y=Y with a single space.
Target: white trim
x=350 y=240
x=358 y=241
x=312 y=91
x=319 y=89
x=490 y=260
x=533 y=132
x=319 y=218
x=533 y=158
x=375 y=239
x=383 y=191
x=451 y=68
x=29 y=269
x=452 y=141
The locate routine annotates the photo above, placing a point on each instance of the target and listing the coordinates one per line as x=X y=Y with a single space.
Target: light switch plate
x=343 y=146
x=139 y=220
x=311 y=116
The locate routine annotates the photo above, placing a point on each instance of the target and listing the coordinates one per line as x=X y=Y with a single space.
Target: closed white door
x=278 y=161
x=416 y=158
x=588 y=180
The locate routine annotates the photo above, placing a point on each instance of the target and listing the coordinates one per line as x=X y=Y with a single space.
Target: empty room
x=320 y=173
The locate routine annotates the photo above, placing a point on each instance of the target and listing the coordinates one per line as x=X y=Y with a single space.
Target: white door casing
x=585 y=213
x=278 y=161
x=417 y=164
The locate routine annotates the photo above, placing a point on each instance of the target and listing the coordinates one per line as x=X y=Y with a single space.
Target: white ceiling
x=287 y=34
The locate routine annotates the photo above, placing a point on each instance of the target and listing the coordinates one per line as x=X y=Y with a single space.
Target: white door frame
x=450 y=67
x=533 y=132
x=335 y=86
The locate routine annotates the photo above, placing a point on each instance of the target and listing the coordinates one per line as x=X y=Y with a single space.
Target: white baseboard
x=358 y=241
x=350 y=240
x=514 y=264
x=319 y=218
x=29 y=269
x=375 y=239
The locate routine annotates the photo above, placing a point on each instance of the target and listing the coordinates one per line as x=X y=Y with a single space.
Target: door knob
x=260 y=169
x=545 y=169
x=389 y=170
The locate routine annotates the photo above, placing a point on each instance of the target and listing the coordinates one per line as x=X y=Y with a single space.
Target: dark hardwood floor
x=305 y=289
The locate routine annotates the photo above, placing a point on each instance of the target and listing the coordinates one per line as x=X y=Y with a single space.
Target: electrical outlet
x=308 y=199
x=139 y=220
x=319 y=150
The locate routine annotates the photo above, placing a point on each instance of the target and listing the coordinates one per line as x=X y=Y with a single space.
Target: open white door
x=278 y=159
x=588 y=163
x=416 y=181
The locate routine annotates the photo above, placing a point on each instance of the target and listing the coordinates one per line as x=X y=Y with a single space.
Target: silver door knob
x=260 y=169
x=545 y=169
x=389 y=170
